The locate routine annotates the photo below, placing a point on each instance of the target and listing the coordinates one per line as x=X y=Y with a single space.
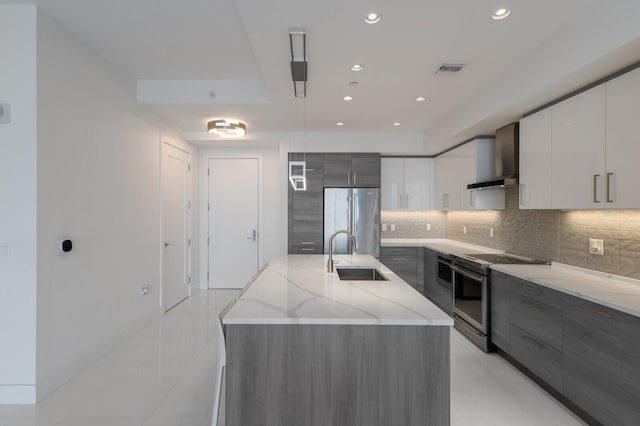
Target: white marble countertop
x=439 y=244
x=297 y=289
x=613 y=291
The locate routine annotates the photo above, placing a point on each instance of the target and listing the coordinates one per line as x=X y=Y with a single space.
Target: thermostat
x=64 y=246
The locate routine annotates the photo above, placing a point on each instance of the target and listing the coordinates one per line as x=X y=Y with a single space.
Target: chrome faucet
x=331 y=238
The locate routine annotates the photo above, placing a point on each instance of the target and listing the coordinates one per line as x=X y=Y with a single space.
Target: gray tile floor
x=165 y=376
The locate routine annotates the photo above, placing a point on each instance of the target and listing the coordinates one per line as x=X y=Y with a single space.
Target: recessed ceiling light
x=421 y=99
x=357 y=67
x=339 y=123
x=396 y=124
x=347 y=98
x=372 y=18
x=500 y=14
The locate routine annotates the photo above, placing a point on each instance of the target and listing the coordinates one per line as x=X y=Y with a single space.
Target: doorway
x=234 y=219
x=175 y=223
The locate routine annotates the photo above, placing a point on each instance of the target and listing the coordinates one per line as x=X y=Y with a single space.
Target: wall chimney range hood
x=505 y=163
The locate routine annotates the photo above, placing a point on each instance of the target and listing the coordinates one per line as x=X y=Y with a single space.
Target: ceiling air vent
x=450 y=68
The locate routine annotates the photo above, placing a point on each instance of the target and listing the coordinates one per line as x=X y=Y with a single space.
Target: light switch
x=393 y=227
x=490 y=232
x=428 y=227
x=464 y=230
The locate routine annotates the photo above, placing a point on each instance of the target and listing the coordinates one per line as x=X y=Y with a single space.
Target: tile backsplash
x=413 y=224
x=555 y=235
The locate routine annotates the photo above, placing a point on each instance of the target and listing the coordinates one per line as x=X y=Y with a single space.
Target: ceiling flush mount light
x=500 y=14
x=396 y=124
x=339 y=123
x=421 y=99
x=348 y=98
x=226 y=128
x=372 y=18
x=357 y=67
x=299 y=62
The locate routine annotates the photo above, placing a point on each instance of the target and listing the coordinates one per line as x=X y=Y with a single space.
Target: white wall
x=18 y=205
x=99 y=185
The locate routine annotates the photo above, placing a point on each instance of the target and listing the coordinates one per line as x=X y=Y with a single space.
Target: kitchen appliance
x=471 y=292
x=356 y=210
x=445 y=273
x=504 y=161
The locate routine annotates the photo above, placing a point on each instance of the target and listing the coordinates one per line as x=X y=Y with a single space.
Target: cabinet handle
x=533 y=341
x=348 y=178
x=307 y=242
x=609 y=199
x=533 y=305
x=596 y=311
x=445 y=201
x=399 y=258
x=522 y=197
x=354 y=179
x=308 y=249
x=401 y=200
x=398 y=249
x=595 y=188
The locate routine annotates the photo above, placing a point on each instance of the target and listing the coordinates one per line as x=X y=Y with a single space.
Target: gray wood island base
x=293 y=375
x=305 y=348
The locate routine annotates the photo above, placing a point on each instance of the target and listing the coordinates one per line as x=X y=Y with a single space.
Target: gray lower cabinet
x=500 y=309
x=352 y=170
x=306 y=216
x=403 y=261
x=601 y=354
x=436 y=290
x=587 y=352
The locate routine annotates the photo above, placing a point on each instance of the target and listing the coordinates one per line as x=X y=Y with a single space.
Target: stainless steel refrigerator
x=357 y=210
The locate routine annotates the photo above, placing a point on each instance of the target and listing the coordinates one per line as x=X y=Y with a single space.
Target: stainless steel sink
x=360 y=274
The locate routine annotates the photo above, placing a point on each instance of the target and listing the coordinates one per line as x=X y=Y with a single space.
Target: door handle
x=253 y=236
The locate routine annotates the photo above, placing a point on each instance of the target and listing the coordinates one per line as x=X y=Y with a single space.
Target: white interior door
x=233 y=221
x=175 y=171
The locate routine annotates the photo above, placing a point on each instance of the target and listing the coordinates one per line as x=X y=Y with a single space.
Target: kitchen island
x=305 y=348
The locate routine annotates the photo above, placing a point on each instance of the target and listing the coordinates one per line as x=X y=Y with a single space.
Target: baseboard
x=17 y=394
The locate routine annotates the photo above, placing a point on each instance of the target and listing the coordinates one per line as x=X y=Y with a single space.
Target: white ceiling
x=180 y=51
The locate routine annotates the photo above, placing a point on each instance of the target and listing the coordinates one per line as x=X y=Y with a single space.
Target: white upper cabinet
x=453 y=171
x=535 y=161
x=578 y=151
x=405 y=183
x=623 y=142
x=582 y=153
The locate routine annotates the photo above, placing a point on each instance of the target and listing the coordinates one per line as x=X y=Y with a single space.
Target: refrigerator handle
x=354 y=219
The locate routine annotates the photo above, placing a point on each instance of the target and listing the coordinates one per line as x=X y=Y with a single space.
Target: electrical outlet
x=384 y=227
x=464 y=230
x=490 y=232
x=428 y=227
x=596 y=246
x=393 y=227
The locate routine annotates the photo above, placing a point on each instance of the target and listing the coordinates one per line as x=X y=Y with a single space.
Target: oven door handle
x=469 y=274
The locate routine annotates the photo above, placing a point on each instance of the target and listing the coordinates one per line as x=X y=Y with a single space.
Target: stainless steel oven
x=470 y=291
x=445 y=273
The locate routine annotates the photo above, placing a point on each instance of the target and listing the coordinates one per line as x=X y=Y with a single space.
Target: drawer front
x=430 y=263
x=306 y=249
x=543 y=360
x=398 y=251
x=537 y=319
x=537 y=292
x=405 y=267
